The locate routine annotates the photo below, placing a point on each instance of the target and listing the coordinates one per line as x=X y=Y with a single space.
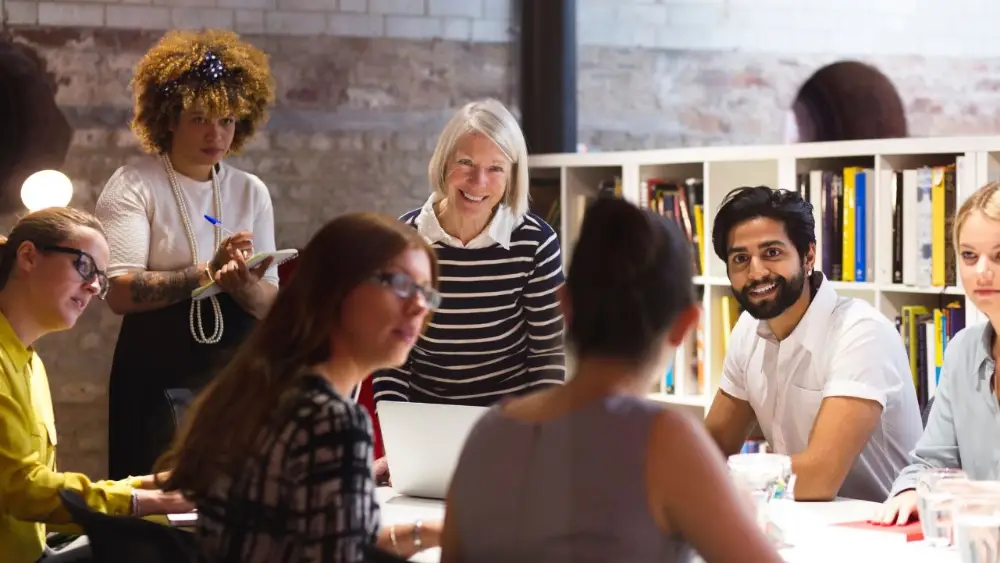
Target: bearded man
x=825 y=376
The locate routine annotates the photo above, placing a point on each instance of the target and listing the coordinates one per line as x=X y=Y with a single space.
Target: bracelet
x=134 y=503
x=392 y=536
x=416 y=535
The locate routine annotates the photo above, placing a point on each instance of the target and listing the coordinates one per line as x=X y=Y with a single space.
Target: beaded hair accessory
x=210 y=70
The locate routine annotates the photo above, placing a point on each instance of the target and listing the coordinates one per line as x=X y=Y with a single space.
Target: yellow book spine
x=937 y=226
x=699 y=229
x=726 y=325
x=850 y=196
x=938 y=337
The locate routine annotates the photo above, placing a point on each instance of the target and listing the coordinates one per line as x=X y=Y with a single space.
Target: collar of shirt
x=498 y=231
x=983 y=359
x=811 y=331
x=18 y=353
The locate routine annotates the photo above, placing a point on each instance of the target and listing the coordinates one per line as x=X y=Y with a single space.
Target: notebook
x=907 y=532
x=280 y=257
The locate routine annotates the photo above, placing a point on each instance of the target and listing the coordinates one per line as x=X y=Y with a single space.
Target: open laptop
x=422 y=444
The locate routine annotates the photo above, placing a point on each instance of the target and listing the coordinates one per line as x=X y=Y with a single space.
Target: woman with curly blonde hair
x=199 y=96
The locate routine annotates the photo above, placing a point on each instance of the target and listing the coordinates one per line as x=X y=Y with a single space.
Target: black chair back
x=179 y=400
x=122 y=539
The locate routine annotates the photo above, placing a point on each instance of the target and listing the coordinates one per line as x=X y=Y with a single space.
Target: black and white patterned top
x=306 y=495
x=499 y=330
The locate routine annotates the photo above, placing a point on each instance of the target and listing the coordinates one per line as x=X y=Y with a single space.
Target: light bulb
x=46 y=188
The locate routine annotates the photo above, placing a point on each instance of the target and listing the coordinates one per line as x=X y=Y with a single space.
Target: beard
x=786 y=294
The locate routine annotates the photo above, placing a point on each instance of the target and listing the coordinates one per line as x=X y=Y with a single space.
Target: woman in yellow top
x=51 y=265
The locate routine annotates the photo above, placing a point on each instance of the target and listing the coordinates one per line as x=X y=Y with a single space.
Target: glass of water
x=937 y=490
x=764 y=477
x=976 y=520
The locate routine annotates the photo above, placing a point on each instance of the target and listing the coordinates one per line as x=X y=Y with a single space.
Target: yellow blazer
x=29 y=482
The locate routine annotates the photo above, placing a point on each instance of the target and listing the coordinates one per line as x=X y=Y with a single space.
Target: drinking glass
x=764 y=477
x=936 y=491
x=976 y=519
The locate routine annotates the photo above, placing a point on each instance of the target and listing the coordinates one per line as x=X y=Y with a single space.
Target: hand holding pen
x=235 y=244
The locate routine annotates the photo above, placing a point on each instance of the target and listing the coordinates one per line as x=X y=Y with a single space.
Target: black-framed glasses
x=85 y=265
x=405 y=287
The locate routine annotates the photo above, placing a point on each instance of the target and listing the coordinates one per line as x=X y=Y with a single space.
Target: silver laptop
x=422 y=444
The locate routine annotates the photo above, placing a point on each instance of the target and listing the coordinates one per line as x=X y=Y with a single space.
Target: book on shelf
x=926 y=334
x=685 y=375
x=681 y=201
x=921 y=203
x=545 y=201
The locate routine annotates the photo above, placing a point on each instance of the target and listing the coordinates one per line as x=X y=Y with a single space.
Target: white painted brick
x=353 y=5
x=707 y=15
x=248 y=4
x=465 y=8
x=137 y=17
x=250 y=21
x=200 y=18
x=588 y=11
x=356 y=25
x=294 y=23
x=58 y=13
x=22 y=13
x=307 y=5
x=490 y=31
x=655 y=14
x=499 y=10
x=457 y=29
x=414 y=27
x=400 y=7
x=185 y=3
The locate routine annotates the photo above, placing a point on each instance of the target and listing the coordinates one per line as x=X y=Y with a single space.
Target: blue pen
x=218 y=224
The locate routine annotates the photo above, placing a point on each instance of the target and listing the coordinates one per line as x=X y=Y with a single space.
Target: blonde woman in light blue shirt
x=963 y=429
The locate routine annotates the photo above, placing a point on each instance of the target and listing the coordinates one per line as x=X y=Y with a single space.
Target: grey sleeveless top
x=571 y=489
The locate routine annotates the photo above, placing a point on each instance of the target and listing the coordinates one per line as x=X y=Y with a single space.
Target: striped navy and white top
x=498 y=330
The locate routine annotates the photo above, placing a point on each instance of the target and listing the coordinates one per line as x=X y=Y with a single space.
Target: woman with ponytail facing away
x=634 y=481
x=51 y=266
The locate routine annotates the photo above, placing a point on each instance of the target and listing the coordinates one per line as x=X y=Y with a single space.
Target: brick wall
x=364 y=86
x=353 y=130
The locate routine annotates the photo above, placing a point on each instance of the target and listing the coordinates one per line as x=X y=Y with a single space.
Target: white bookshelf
x=725 y=168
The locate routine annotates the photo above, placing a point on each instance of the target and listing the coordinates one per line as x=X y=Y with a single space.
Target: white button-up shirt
x=842 y=347
x=498 y=231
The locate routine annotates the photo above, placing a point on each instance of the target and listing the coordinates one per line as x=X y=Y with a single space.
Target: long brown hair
x=225 y=419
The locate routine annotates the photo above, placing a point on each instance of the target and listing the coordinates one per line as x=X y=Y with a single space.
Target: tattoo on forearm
x=164 y=287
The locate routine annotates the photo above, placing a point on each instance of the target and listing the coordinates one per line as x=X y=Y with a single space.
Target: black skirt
x=155 y=354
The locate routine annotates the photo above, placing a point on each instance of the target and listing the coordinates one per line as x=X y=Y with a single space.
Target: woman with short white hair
x=499 y=330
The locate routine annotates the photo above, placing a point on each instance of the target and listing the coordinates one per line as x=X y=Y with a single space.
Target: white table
x=398 y=509
x=807 y=525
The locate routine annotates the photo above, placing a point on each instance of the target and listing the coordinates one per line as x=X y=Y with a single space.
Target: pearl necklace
x=197 y=328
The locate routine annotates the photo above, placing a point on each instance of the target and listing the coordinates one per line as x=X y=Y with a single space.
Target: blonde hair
x=986 y=200
x=489 y=117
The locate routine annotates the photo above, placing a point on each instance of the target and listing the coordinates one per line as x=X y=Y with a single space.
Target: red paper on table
x=911 y=531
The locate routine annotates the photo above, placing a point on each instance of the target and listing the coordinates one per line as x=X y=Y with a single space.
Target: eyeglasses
x=405 y=286
x=85 y=265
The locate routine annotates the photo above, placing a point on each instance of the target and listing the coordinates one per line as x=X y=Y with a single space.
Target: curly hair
x=213 y=69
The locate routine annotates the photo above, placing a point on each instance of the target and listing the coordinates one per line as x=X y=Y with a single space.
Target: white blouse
x=143 y=222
